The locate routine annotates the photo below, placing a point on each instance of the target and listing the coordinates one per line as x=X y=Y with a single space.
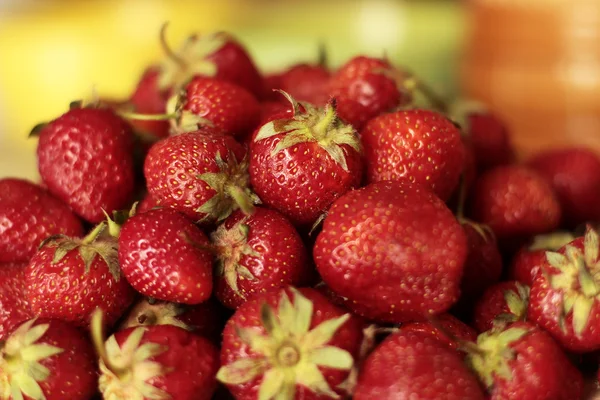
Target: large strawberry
x=394 y=250
x=47 y=359
x=414 y=365
x=256 y=253
x=14 y=307
x=277 y=347
x=202 y=174
x=503 y=303
x=161 y=256
x=28 y=215
x=300 y=165
x=304 y=82
x=85 y=159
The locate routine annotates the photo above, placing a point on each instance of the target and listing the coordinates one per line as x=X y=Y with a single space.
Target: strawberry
x=272 y=110
x=455 y=327
x=161 y=256
x=503 y=303
x=574 y=174
x=490 y=139
x=256 y=253
x=85 y=159
x=415 y=365
x=28 y=215
x=300 y=165
x=394 y=250
x=305 y=82
x=282 y=348
x=14 y=308
x=565 y=294
x=155 y=362
x=147 y=98
x=146 y=204
x=417 y=146
x=68 y=278
x=45 y=359
x=202 y=174
x=524 y=362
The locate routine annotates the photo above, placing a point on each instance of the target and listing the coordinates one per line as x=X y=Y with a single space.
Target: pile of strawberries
x=310 y=234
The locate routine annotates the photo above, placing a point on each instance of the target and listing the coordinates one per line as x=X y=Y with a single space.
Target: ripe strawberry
x=417 y=146
x=409 y=365
x=564 y=295
x=256 y=253
x=490 y=139
x=202 y=174
x=147 y=204
x=14 y=308
x=68 y=278
x=394 y=250
x=28 y=215
x=161 y=256
x=148 y=98
x=155 y=362
x=305 y=82
x=450 y=324
x=47 y=359
x=275 y=347
x=504 y=303
x=272 y=110
x=85 y=159
x=523 y=362
x=574 y=174
x=300 y=165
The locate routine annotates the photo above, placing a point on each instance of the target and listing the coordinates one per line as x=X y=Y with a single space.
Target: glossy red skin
x=282 y=258
x=516 y=202
x=14 y=308
x=147 y=98
x=159 y=258
x=409 y=365
x=173 y=164
x=306 y=82
x=30 y=214
x=229 y=107
x=394 y=250
x=348 y=337
x=545 y=308
x=526 y=265
x=417 y=146
x=147 y=204
x=490 y=140
x=193 y=361
x=362 y=91
x=272 y=110
x=449 y=323
x=492 y=304
x=64 y=291
x=540 y=370
x=85 y=159
x=574 y=174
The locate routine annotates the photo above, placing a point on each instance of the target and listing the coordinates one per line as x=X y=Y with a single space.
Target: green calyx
x=517 y=302
x=551 y=241
x=289 y=353
x=321 y=126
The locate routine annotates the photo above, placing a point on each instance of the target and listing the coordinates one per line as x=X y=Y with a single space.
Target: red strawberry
x=523 y=362
x=301 y=347
x=564 y=295
x=574 y=174
x=148 y=98
x=414 y=365
x=147 y=204
x=505 y=302
x=450 y=324
x=14 y=308
x=300 y=165
x=155 y=362
x=47 y=359
x=394 y=250
x=305 y=82
x=85 y=159
x=68 y=278
x=272 y=110
x=202 y=174
x=160 y=256
x=28 y=215
x=417 y=146
x=490 y=140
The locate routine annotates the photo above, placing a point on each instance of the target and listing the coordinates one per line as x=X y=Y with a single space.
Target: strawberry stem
x=241 y=198
x=90 y=237
x=97 y=330
x=145 y=117
x=462 y=197
x=167 y=49
x=321 y=127
x=434 y=99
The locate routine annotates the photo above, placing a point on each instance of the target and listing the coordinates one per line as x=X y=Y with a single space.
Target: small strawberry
x=155 y=362
x=524 y=362
x=161 y=256
x=394 y=250
x=147 y=204
x=275 y=347
x=414 y=365
x=574 y=174
x=68 y=278
x=272 y=110
x=256 y=253
x=565 y=294
x=28 y=215
x=147 y=98
x=505 y=302
x=300 y=165
x=417 y=146
x=305 y=82
x=450 y=324
x=85 y=159
x=14 y=308
x=202 y=174
x=47 y=359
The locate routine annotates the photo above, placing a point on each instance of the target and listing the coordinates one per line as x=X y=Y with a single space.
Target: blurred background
x=536 y=63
